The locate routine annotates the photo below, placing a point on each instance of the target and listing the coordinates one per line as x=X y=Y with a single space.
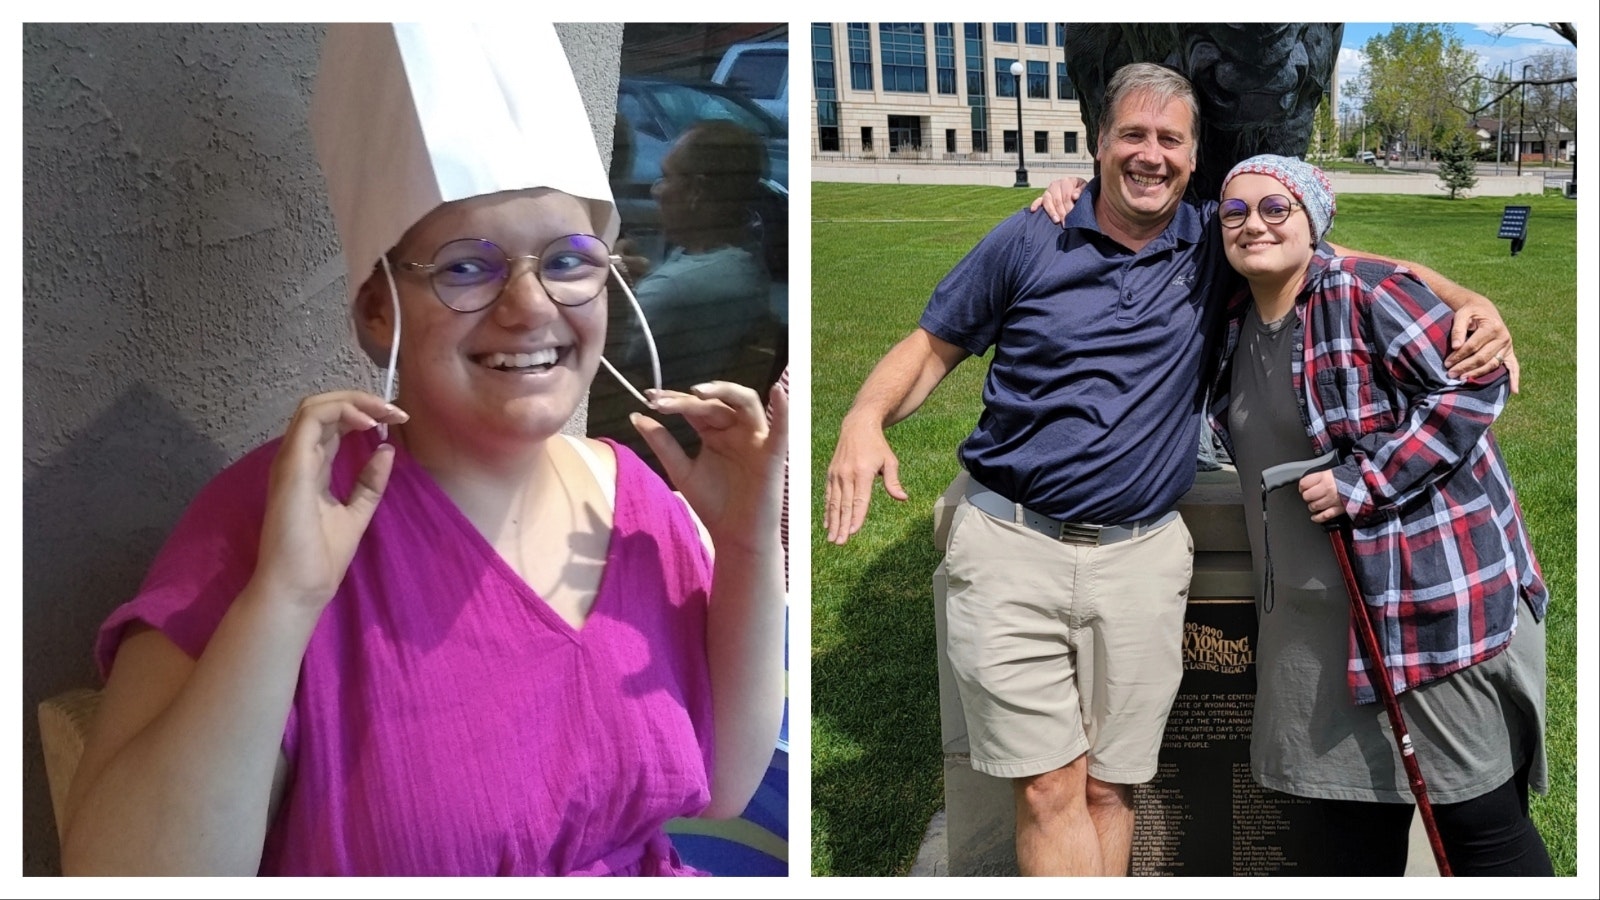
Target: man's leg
x=1071 y=824
x=1056 y=833
x=1130 y=663
x=1009 y=650
x=1111 y=808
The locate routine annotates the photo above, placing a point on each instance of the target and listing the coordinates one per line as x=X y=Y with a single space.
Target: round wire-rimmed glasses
x=1274 y=209
x=470 y=274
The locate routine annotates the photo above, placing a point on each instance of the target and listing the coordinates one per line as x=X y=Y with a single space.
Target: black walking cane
x=1338 y=530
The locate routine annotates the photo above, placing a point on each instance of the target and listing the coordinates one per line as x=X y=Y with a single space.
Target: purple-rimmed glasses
x=1274 y=209
x=470 y=274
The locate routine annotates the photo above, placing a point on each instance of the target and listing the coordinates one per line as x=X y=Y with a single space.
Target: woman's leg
x=1492 y=834
x=1357 y=838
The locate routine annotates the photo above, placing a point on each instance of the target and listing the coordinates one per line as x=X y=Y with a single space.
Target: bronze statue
x=1259 y=84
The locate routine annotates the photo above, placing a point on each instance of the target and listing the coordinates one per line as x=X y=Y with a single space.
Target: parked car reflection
x=652 y=113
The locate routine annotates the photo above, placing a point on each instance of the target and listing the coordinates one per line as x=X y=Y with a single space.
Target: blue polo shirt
x=1091 y=405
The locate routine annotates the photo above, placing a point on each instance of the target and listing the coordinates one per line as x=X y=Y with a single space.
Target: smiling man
x=1067 y=563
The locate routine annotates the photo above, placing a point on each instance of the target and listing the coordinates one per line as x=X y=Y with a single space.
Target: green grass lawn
x=877 y=252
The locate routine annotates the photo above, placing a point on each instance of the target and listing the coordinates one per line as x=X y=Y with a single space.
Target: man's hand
x=633 y=264
x=1481 y=343
x=862 y=454
x=1059 y=198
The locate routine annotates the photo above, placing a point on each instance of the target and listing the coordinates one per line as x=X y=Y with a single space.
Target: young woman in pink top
x=477 y=646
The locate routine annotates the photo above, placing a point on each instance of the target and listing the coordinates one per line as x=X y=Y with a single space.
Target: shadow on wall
x=94 y=515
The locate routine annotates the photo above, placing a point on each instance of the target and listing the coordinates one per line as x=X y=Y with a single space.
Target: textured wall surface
x=182 y=290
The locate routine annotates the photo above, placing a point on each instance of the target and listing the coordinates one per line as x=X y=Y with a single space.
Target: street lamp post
x=1572 y=148
x=1522 y=110
x=1500 y=135
x=1022 y=166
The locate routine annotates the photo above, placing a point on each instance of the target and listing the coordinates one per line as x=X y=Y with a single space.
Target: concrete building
x=943 y=92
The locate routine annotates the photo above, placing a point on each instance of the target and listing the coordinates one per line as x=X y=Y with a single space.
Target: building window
x=1035 y=32
x=975 y=84
x=866 y=138
x=1041 y=142
x=1069 y=141
x=1005 y=32
x=904 y=48
x=944 y=56
x=1064 y=87
x=949 y=140
x=977 y=88
x=1005 y=83
x=826 y=87
x=1008 y=141
x=1061 y=34
x=860 y=56
x=1038 y=79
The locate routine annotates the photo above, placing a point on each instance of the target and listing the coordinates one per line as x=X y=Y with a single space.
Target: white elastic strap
x=649 y=340
x=394 y=344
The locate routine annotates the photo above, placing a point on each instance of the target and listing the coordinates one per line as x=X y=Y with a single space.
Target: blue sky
x=1519 y=43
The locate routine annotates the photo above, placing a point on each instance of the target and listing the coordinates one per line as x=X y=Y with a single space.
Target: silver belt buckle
x=1074 y=533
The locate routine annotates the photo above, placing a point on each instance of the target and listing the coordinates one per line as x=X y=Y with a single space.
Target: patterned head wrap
x=1305 y=181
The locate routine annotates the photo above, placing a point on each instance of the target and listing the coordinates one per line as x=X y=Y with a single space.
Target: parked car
x=652 y=113
x=1368 y=157
x=761 y=72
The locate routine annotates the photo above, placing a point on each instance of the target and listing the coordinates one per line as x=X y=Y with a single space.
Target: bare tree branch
x=1510 y=88
x=1566 y=30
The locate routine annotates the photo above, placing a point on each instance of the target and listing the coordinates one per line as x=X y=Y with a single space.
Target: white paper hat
x=406 y=117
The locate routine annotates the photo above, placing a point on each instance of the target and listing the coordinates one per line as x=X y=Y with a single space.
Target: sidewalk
x=931 y=858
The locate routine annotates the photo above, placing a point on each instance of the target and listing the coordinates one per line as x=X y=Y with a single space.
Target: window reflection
x=700 y=172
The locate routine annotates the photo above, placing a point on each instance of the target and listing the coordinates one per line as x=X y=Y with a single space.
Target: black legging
x=1487 y=835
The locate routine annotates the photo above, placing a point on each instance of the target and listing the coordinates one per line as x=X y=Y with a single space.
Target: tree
x=1324 y=135
x=1550 y=110
x=1413 y=83
x=1456 y=167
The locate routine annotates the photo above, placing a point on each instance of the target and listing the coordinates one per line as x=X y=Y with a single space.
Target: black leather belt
x=1067 y=532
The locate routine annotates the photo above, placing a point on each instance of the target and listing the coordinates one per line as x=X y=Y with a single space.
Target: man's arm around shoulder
x=1479 y=339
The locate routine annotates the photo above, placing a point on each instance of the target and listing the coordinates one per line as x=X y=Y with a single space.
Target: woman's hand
x=735 y=485
x=1059 y=198
x=309 y=536
x=1321 y=495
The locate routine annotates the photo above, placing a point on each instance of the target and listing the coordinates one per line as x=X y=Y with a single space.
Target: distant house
x=1484 y=133
x=1534 y=146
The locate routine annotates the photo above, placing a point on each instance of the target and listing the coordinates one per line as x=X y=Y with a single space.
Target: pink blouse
x=447 y=721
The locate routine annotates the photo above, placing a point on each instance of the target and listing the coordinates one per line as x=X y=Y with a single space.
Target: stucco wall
x=182 y=292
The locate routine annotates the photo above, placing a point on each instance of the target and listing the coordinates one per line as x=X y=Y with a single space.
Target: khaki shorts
x=1061 y=649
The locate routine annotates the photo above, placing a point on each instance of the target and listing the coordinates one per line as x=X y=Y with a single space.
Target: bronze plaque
x=1203 y=814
